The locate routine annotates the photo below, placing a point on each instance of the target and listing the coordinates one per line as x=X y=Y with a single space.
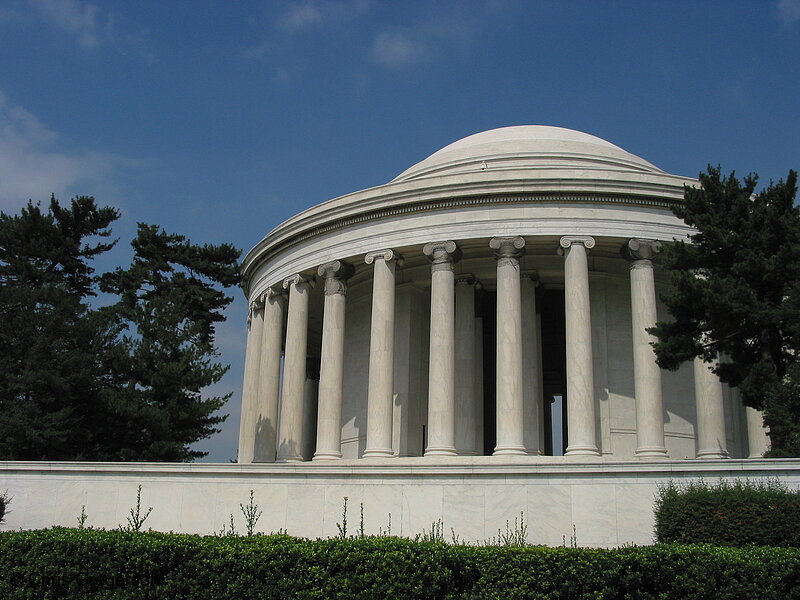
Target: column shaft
x=711 y=442
x=478 y=382
x=247 y=425
x=309 y=436
x=533 y=406
x=269 y=389
x=466 y=407
x=441 y=379
x=757 y=438
x=290 y=442
x=329 y=409
x=646 y=373
x=510 y=406
x=581 y=428
x=381 y=355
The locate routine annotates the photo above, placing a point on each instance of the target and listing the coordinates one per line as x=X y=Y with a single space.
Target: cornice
x=293 y=233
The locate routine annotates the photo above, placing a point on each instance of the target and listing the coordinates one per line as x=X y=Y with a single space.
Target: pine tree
x=169 y=304
x=120 y=382
x=51 y=342
x=735 y=294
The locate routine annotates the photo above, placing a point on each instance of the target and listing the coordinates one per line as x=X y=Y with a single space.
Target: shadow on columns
x=265 y=442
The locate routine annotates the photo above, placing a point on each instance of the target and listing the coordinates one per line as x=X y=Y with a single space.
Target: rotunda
x=491 y=300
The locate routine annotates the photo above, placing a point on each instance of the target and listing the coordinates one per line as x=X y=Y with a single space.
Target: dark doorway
x=554 y=368
x=487 y=305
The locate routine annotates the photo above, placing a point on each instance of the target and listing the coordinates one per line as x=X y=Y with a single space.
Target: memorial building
x=464 y=345
x=490 y=300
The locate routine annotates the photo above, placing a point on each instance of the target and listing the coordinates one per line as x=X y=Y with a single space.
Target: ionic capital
x=336 y=274
x=298 y=281
x=641 y=249
x=508 y=247
x=252 y=307
x=466 y=279
x=385 y=255
x=442 y=254
x=586 y=241
x=273 y=293
x=256 y=304
x=532 y=275
x=508 y=250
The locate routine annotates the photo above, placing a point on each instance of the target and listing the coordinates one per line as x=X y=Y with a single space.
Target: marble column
x=757 y=438
x=441 y=378
x=646 y=373
x=466 y=411
x=711 y=434
x=510 y=407
x=380 y=391
x=252 y=360
x=329 y=407
x=581 y=428
x=532 y=400
x=270 y=375
x=290 y=438
x=410 y=369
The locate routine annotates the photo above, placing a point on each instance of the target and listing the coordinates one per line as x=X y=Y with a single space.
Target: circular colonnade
x=493 y=299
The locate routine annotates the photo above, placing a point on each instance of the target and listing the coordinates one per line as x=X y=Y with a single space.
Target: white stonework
x=609 y=503
x=425 y=385
x=487 y=212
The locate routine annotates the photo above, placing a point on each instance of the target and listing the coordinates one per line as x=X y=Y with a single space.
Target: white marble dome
x=527 y=147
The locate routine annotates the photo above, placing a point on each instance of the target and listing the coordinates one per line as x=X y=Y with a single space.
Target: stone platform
x=609 y=503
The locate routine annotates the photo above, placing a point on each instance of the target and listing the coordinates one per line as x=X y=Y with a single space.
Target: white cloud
x=789 y=11
x=395 y=49
x=312 y=13
x=307 y=15
x=32 y=166
x=428 y=39
x=300 y=16
x=82 y=20
x=257 y=51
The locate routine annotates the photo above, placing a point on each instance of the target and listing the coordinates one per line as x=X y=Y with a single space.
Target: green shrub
x=728 y=514
x=86 y=563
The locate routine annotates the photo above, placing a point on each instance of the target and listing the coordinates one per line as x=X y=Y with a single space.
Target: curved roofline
x=486 y=187
x=527 y=146
x=528 y=164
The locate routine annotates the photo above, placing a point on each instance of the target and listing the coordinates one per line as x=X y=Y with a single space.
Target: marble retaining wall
x=608 y=503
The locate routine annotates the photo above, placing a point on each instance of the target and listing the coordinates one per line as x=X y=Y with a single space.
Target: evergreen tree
x=121 y=382
x=51 y=343
x=168 y=307
x=735 y=293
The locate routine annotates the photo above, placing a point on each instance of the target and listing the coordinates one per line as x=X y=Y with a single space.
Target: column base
x=713 y=453
x=289 y=459
x=509 y=450
x=327 y=456
x=582 y=451
x=378 y=453
x=651 y=452
x=440 y=451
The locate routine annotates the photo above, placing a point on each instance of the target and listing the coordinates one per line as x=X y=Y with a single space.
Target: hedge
x=728 y=514
x=86 y=563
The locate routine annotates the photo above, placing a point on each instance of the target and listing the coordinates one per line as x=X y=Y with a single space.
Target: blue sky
x=219 y=120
